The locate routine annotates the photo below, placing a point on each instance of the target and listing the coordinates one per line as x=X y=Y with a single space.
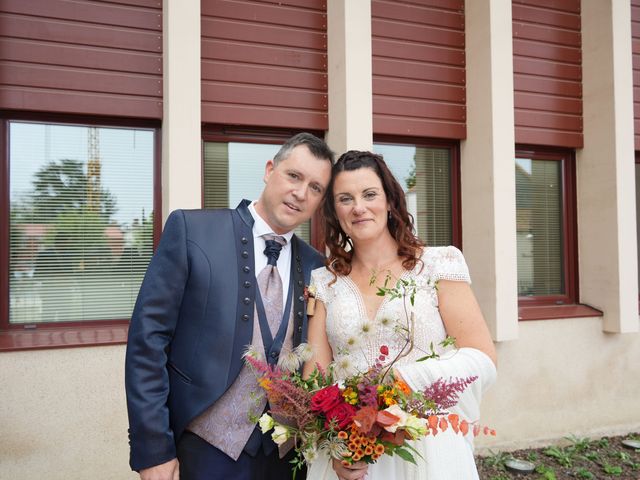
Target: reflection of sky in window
x=246 y=170
x=126 y=161
x=399 y=159
x=525 y=164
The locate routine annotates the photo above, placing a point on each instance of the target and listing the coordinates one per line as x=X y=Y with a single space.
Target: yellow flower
x=389 y=397
x=350 y=396
x=264 y=383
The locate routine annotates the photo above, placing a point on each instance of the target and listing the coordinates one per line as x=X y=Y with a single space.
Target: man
x=189 y=394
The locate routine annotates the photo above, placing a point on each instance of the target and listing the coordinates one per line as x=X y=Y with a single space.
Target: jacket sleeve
x=153 y=323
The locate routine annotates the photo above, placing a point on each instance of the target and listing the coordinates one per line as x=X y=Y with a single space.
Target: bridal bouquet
x=361 y=418
x=367 y=414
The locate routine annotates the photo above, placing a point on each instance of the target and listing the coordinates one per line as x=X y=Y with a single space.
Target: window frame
x=454 y=150
x=566 y=305
x=273 y=136
x=85 y=333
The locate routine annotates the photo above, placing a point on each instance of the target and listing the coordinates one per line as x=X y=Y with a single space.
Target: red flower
x=384 y=350
x=326 y=399
x=342 y=413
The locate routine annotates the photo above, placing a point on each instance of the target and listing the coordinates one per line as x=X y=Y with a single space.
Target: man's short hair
x=316 y=146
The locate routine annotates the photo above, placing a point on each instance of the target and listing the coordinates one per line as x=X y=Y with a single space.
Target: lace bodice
x=356 y=339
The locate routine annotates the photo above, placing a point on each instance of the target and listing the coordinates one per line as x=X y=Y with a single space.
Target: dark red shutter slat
x=265 y=64
x=418 y=68
x=82 y=57
x=547 y=65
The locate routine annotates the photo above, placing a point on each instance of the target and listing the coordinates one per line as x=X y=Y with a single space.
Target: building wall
x=63 y=415
x=63 y=411
x=562 y=377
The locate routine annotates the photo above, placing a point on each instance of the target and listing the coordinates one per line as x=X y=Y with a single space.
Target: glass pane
x=81 y=221
x=539 y=227
x=425 y=176
x=234 y=171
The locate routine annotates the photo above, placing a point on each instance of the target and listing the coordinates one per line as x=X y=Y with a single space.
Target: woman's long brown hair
x=399 y=223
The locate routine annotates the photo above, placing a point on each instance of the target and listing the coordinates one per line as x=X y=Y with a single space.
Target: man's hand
x=166 y=471
x=357 y=471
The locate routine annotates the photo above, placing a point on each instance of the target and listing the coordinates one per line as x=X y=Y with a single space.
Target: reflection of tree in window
x=73 y=255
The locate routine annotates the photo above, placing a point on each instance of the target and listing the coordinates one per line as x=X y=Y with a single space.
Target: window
x=546 y=226
x=80 y=221
x=429 y=176
x=233 y=170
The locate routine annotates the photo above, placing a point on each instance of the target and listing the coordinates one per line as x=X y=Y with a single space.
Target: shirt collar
x=261 y=227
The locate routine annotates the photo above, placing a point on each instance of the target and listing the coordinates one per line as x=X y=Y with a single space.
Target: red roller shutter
x=265 y=63
x=85 y=57
x=635 y=34
x=418 y=68
x=547 y=67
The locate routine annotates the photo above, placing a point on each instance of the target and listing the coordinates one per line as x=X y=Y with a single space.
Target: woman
x=370 y=237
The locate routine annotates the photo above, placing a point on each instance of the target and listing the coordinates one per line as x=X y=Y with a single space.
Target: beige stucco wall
x=63 y=415
x=563 y=377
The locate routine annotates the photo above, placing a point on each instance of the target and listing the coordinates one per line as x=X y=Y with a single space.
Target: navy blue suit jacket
x=191 y=322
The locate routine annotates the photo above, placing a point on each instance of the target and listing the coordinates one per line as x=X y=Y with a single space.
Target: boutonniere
x=310 y=298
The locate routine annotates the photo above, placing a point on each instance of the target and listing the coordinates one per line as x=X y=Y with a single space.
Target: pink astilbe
x=290 y=402
x=445 y=393
x=287 y=401
x=262 y=368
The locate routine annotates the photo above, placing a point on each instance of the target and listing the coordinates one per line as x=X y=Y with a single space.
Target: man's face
x=293 y=189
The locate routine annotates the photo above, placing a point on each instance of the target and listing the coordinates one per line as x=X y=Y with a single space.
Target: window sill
x=548 y=312
x=46 y=337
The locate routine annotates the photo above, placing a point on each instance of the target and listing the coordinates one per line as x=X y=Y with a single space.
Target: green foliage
x=561 y=455
x=593 y=456
x=578 y=444
x=405 y=455
x=546 y=473
x=496 y=459
x=624 y=456
x=584 y=473
x=611 y=469
x=582 y=459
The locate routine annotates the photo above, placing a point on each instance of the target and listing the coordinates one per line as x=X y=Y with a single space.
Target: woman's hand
x=356 y=471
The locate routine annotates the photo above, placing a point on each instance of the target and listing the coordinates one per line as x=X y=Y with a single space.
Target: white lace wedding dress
x=356 y=339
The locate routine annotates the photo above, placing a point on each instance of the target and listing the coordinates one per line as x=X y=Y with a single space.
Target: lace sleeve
x=319 y=283
x=447 y=263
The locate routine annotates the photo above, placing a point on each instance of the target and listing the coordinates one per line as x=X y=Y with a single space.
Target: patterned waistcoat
x=226 y=424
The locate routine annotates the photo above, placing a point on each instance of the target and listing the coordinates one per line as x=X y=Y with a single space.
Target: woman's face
x=360 y=203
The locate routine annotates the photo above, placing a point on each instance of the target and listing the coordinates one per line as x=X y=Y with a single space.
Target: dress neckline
x=360 y=297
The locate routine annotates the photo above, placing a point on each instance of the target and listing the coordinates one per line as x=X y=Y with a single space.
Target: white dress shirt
x=260 y=227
